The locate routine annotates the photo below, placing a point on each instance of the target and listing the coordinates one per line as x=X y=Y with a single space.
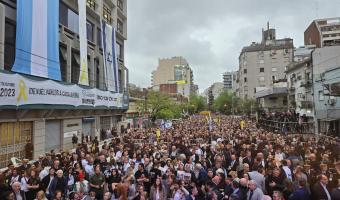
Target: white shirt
x=24 y=184
x=44 y=172
x=288 y=172
x=84 y=162
x=89 y=170
x=326 y=191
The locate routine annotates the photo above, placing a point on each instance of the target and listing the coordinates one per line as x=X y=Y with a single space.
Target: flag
x=83 y=74
x=181 y=82
x=110 y=57
x=37 y=39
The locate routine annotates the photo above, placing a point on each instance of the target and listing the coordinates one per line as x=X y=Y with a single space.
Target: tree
x=196 y=104
x=224 y=103
x=229 y=103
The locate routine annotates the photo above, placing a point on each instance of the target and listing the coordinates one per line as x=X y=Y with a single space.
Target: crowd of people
x=191 y=160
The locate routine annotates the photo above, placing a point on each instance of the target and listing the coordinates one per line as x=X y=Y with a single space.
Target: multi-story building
x=213 y=91
x=176 y=73
x=326 y=89
x=50 y=125
x=299 y=83
x=260 y=64
x=323 y=32
x=229 y=79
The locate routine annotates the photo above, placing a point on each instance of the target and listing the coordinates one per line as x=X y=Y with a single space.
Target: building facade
x=170 y=71
x=323 y=32
x=326 y=84
x=229 y=79
x=212 y=92
x=260 y=64
x=299 y=82
x=49 y=126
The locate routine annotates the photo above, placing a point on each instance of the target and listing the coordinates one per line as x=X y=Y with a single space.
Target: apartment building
x=261 y=64
x=323 y=32
x=173 y=75
x=51 y=124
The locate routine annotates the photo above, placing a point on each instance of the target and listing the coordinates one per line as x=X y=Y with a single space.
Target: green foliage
x=229 y=103
x=159 y=106
x=196 y=104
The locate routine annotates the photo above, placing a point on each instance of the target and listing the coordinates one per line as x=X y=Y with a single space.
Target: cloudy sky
x=210 y=33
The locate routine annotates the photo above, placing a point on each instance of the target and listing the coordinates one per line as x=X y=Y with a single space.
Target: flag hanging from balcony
x=37 y=38
x=83 y=74
x=110 y=57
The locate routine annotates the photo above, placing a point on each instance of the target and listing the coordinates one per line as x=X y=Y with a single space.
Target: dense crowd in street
x=232 y=159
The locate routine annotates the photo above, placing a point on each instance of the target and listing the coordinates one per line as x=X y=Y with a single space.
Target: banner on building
x=83 y=74
x=17 y=90
x=37 y=38
x=110 y=57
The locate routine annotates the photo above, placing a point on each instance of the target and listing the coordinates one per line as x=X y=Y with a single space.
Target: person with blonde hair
x=40 y=195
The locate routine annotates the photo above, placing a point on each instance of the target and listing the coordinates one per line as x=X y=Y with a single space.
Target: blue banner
x=37 y=38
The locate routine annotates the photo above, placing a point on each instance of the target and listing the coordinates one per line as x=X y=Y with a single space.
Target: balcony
x=306 y=104
x=306 y=84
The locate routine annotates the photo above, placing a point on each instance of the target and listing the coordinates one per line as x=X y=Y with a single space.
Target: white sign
x=16 y=90
x=70 y=134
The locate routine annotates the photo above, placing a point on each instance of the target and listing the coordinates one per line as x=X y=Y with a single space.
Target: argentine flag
x=37 y=38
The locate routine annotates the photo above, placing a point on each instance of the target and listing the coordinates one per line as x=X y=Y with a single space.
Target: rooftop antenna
x=267 y=25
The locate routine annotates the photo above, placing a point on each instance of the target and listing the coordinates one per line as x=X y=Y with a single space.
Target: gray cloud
x=210 y=34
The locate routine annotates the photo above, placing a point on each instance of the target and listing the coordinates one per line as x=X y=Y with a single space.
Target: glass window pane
x=17 y=132
x=3 y=129
x=10 y=129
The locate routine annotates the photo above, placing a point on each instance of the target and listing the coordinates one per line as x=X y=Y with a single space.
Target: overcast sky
x=210 y=33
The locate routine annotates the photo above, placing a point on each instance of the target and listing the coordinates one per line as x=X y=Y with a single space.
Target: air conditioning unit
x=331 y=102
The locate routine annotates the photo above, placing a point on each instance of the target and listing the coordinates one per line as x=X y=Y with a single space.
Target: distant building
x=229 y=79
x=299 y=83
x=326 y=89
x=260 y=64
x=174 y=73
x=323 y=32
x=212 y=92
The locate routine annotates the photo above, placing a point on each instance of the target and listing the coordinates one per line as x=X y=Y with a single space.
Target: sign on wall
x=17 y=90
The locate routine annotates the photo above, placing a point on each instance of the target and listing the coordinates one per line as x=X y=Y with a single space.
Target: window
x=120 y=4
x=91 y=4
x=321 y=96
x=244 y=71
x=119 y=50
x=75 y=68
x=14 y=136
x=273 y=78
x=89 y=31
x=245 y=79
x=97 y=74
x=63 y=63
x=261 y=61
x=119 y=26
x=274 y=69
x=262 y=69
x=245 y=63
x=68 y=18
x=9 y=51
x=107 y=14
x=99 y=38
x=261 y=79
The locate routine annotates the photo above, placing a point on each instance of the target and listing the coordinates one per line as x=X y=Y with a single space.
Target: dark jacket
x=22 y=193
x=335 y=194
x=300 y=194
x=318 y=193
x=58 y=184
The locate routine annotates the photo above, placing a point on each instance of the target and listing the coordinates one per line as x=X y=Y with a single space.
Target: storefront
x=52 y=135
x=15 y=139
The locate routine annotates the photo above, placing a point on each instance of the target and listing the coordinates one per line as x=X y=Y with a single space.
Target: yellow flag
x=181 y=82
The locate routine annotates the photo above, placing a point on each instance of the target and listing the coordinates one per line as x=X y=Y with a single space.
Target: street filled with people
x=201 y=157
